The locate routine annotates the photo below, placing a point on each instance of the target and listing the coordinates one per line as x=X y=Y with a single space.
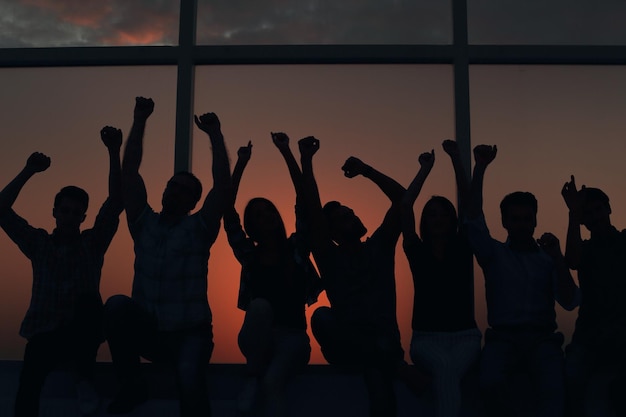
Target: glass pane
x=386 y=115
x=550 y=123
x=262 y=22
x=540 y=22
x=45 y=23
x=60 y=111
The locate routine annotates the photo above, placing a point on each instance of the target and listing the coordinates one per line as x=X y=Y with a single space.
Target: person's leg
x=577 y=374
x=499 y=358
x=447 y=357
x=256 y=334
x=256 y=343
x=128 y=329
x=40 y=357
x=546 y=365
x=292 y=351
x=194 y=354
x=379 y=383
x=86 y=335
x=335 y=340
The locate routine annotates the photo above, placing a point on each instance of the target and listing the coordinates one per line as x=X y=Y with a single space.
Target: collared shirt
x=66 y=275
x=171 y=266
x=520 y=286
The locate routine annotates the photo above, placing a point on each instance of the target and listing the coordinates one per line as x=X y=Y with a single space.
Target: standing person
x=359 y=330
x=599 y=339
x=277 y=281
x=64 y=318
x=523 y=278
x=168 y=318
x=446 y=340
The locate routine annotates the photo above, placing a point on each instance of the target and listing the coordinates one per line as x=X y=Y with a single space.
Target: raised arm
x=566 y=290
x=281 y=141
x=36 y=162
x=462 y=182
x=573 y=245
x=134 y=189
x=426 y=161
x=218 y=197
x=392 y=189
x=243 y=157
x=112 y=139
x=483 y=156
x=319 y=235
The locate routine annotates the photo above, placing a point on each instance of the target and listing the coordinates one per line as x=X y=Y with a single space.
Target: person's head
x=70 y=206
x=596 y=209
x=344 y=225
x=519 y=215
x=182 y=193
x=262 y=221
x=439 y=219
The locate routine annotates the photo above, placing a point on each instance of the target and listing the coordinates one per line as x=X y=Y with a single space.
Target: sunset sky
x=548 y=123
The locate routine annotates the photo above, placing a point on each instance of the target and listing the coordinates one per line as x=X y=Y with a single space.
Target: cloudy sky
x=28 y=23
x=548 y=122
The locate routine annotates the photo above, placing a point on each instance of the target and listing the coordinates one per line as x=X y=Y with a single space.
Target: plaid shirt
x=65 y=275
x=171 y=266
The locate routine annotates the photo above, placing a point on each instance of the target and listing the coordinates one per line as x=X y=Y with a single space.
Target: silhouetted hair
x=329 y=208
x=251 y=228
x=450 y=211
x=589 y=194
x=518 y=198
x=197 y=192
x=71 y=192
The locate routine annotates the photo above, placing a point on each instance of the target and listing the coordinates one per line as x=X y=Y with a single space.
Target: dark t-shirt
x=602 y=280
x=443 y=300
x=361 y=285
x=283 y=286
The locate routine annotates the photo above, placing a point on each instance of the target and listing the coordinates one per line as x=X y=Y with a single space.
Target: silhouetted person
x=359 y=331
x=446 y=340
x=167 y=319
x=64 y=319
x=599 y=339
x=277 y=280
x=523 y=278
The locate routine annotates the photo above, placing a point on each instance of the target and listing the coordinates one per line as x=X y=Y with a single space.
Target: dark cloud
x=41 y=23
x=27 y=23
x=323 y=22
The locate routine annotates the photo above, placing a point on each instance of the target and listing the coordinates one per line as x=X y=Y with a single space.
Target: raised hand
x=280 y=140
x=111 y=137
x=570 y=194
x=450 y=147
x=308 y=146
x=245 y=152
x=208 y=122
x=427 y=160
x=353 y=167
x=550 y=244
x=38 y=162
x=143 y=108
x=485 y=154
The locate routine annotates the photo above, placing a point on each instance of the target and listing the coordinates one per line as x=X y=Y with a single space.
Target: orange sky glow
x=548 y=123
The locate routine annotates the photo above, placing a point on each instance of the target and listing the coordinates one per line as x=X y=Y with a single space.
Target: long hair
x=450 y=211
x=249 y=224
